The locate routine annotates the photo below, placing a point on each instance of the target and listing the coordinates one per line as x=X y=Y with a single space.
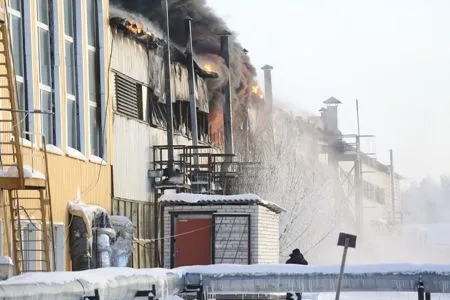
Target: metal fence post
x=420 y=290
x=200 y=295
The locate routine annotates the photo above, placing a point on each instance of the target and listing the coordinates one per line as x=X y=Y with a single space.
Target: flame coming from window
x=256 y=90
x=208 y=68
x=135 y=28
x=216 y=131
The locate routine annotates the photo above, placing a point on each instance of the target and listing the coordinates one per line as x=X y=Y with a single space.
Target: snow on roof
x=201 y=199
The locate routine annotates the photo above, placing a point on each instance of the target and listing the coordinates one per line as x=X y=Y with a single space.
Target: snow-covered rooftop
x=201 y=199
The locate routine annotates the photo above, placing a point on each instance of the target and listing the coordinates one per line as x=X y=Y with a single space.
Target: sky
x=391 y=55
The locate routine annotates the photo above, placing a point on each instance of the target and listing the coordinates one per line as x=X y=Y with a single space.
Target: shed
x=219 y=229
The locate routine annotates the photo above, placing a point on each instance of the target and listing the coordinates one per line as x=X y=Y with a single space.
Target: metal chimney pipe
x=391 y=155
x=268 y=86
x=168 y=88
x=269 y=99
x=191 y=79
x=227 y=116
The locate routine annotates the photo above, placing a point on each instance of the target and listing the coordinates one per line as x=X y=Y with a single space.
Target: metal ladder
x=29 y=218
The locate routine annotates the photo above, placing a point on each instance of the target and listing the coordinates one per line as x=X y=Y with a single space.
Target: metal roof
x=201 y=199
x=332 y=100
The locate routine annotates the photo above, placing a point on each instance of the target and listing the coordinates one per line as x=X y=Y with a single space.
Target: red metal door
x=193 y=242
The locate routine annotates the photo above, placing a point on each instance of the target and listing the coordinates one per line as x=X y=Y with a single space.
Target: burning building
x=206 y=28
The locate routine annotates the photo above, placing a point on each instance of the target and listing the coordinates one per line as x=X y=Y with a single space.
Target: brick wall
x=268 y=239
x=264 y=233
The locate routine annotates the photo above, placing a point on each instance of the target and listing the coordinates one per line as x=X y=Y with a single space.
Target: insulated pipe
x=192 y=86
x=268 y=97
x=227 y=115
x=268 y=86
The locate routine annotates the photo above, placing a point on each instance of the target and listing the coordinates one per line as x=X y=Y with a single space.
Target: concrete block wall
x=264 y=234
x=268 y=239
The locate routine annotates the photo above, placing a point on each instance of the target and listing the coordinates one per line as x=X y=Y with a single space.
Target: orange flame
x=256 y=90
x=208 y=68
x=216 y=131
x=135 y=28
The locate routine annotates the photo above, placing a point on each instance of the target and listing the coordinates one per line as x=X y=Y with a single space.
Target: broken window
x=202 y=126
x=156 y=110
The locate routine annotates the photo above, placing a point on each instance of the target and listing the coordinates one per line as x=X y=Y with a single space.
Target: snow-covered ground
x=380 y=296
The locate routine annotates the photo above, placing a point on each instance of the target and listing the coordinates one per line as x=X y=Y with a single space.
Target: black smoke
x=206 y=26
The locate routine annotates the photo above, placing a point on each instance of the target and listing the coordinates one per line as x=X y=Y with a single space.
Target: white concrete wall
x=264 y=233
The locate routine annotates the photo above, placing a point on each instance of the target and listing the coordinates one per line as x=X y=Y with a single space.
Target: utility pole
x=169 y=121
x=358 y=177
x=168 y=88
x=391 y=154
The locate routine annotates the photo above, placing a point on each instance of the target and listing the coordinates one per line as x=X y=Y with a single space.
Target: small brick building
x=217 y=229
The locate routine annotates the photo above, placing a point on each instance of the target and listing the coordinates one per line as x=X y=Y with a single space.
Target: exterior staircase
x=26 y=192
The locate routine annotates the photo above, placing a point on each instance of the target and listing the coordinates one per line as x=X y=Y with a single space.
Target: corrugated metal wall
x=67 y=175
x=132 y=150
x=133 y=157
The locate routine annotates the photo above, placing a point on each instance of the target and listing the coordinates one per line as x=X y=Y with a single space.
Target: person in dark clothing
x=296 y=257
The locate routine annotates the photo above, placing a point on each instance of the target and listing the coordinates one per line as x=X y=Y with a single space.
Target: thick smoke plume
x=206 y=27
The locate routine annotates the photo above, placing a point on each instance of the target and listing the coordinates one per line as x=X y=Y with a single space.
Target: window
x=45 y=72
x=73 y=106
x=156 y=110
x=47 y=119
x=181 y=118
x=202 y=126
x=17 y=36
x=93 y=73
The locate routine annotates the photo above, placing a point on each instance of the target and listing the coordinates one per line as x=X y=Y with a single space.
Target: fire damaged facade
x=119 y=162
x=139 y=119
x=140 y=131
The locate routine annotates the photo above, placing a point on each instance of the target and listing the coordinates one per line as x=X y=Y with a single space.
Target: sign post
x=347 y=241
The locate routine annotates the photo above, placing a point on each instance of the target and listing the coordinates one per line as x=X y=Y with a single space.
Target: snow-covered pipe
x=123 y=283
x=112 y=283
